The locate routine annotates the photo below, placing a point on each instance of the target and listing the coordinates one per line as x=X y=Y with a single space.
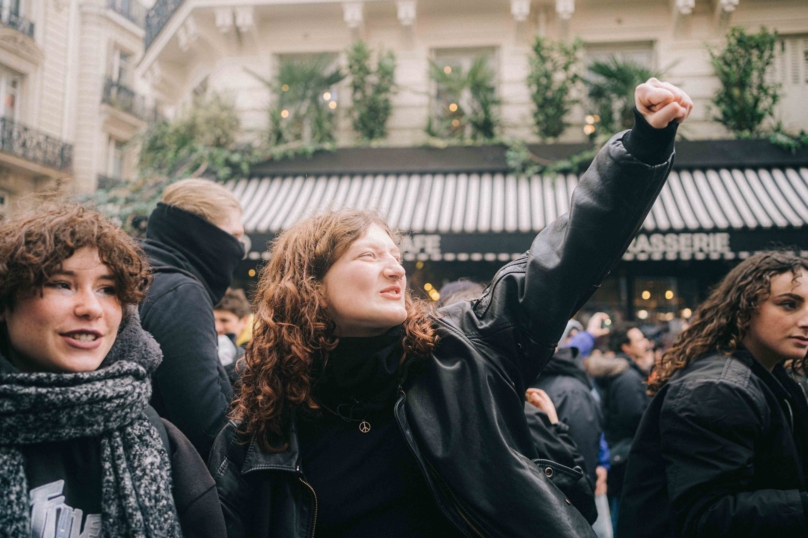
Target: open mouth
x=83 y=336
x=392 y=291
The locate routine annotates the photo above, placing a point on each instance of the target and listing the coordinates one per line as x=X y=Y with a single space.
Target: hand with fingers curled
x=660 y=103
x=541 y=400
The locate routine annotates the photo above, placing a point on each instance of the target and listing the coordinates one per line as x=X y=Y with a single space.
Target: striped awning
x=705 y=200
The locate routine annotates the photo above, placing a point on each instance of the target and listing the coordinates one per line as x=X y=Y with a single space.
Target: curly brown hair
x=293 y=333
x=720 y=323
x=33 y=245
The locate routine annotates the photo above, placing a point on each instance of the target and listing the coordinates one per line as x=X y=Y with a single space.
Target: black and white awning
x=707 y=201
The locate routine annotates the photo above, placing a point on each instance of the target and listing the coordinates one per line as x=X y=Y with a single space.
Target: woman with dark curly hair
x=723 y=448
x=363 y=414
x=81 y=453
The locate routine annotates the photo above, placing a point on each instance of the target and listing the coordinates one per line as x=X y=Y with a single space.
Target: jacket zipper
x=313 y=494
x=426 y=473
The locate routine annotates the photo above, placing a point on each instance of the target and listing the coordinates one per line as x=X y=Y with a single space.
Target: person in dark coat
x=192 y=242
x=571 y=391
x=81 y=452
x=722 y=451
x=232 y=315
x=362 y=412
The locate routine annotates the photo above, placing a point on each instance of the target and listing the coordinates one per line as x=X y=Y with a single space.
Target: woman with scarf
x=722 y=451
x=363 y=414
x=192 y=242
x=81 y=452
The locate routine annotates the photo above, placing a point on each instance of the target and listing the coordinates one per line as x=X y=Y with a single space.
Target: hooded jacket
x=461 y=410
x=193 y=262
x=721 y=452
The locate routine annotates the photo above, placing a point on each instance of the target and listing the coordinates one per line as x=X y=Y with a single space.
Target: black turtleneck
x=367 y=484
x=177 y=239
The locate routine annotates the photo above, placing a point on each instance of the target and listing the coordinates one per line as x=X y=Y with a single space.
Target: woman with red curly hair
x=363 y=414
x=723 y=448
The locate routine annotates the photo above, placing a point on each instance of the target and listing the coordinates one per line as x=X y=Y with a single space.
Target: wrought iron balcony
x=125 y=99
x=18 y=22
x=131 y=9
x=158 y=16
x=35 y=146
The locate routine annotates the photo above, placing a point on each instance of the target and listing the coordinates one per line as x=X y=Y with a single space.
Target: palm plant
x=466 y=102
x=611 y=91
x=553 y=79
x=305 y=107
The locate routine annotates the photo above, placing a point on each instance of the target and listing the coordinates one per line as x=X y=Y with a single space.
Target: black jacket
x=461 y=409
x=624 y=400
x=562 y=461
x=191 y=387
x=571 y=391
x=715 y=455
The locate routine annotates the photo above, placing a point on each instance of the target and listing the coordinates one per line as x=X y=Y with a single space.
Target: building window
x=458 y=97
x=791 y=61
x=10 y=86
x=121 y=68
x=640 y=53
x=115 y=162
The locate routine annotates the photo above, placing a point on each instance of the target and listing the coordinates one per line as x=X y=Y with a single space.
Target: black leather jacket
x=461 y=409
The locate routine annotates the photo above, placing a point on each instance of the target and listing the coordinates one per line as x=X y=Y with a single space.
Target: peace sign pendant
x=364 y=426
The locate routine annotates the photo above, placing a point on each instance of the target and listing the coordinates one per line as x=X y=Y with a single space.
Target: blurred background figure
x=232 y=315
x=622 y=382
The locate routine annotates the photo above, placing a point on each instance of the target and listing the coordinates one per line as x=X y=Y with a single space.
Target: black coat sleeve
x=194 y=489
x=525 y=309
x=191 y=380
x=708 y=434
x=578 y=409
x=556 y=450
x=236 y=495
x=627 y=403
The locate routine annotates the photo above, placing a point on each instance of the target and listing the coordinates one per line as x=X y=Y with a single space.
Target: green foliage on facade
x=305 y=102
x=746 y=98
x=370 y=90
x=201 y=141
x=611 y=86
x=466 y=102
x=554 y=74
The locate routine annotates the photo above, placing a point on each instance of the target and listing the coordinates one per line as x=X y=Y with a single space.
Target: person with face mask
x=82 y=455
x=192 y=241
x=362 y=412
x=723 y=448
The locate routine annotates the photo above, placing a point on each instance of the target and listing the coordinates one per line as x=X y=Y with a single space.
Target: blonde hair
x=204 y=198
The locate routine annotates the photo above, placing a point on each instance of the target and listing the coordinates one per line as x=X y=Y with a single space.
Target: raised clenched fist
x=661 y=103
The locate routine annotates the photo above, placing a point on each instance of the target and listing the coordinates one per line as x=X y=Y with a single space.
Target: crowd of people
x=140 y=396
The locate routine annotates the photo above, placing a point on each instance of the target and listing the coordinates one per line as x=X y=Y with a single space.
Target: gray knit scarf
x=136 y=498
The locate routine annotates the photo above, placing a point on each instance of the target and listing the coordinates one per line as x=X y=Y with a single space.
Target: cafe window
x=660 y=299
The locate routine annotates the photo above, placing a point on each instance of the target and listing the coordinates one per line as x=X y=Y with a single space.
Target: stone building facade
x=58 y=115
x=196 y=45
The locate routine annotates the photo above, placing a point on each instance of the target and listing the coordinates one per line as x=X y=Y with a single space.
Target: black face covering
x=213 y=253
x=363 y=371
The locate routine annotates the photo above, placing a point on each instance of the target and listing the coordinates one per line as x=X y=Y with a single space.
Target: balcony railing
x=125 y=99
x=131 y=9
x=158 y=16
x=34 y=145
x=18 y=22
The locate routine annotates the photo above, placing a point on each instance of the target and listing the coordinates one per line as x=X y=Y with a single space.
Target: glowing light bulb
x=453 y=107
x=327 y=96
x=251 y=272
x=284 y=113
x=669 y=295
x=428 y=287
x=447 y=69
x=589 y=129
x=332 y=105
x=642 y=314
x=646 y=295
x=285 y=87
